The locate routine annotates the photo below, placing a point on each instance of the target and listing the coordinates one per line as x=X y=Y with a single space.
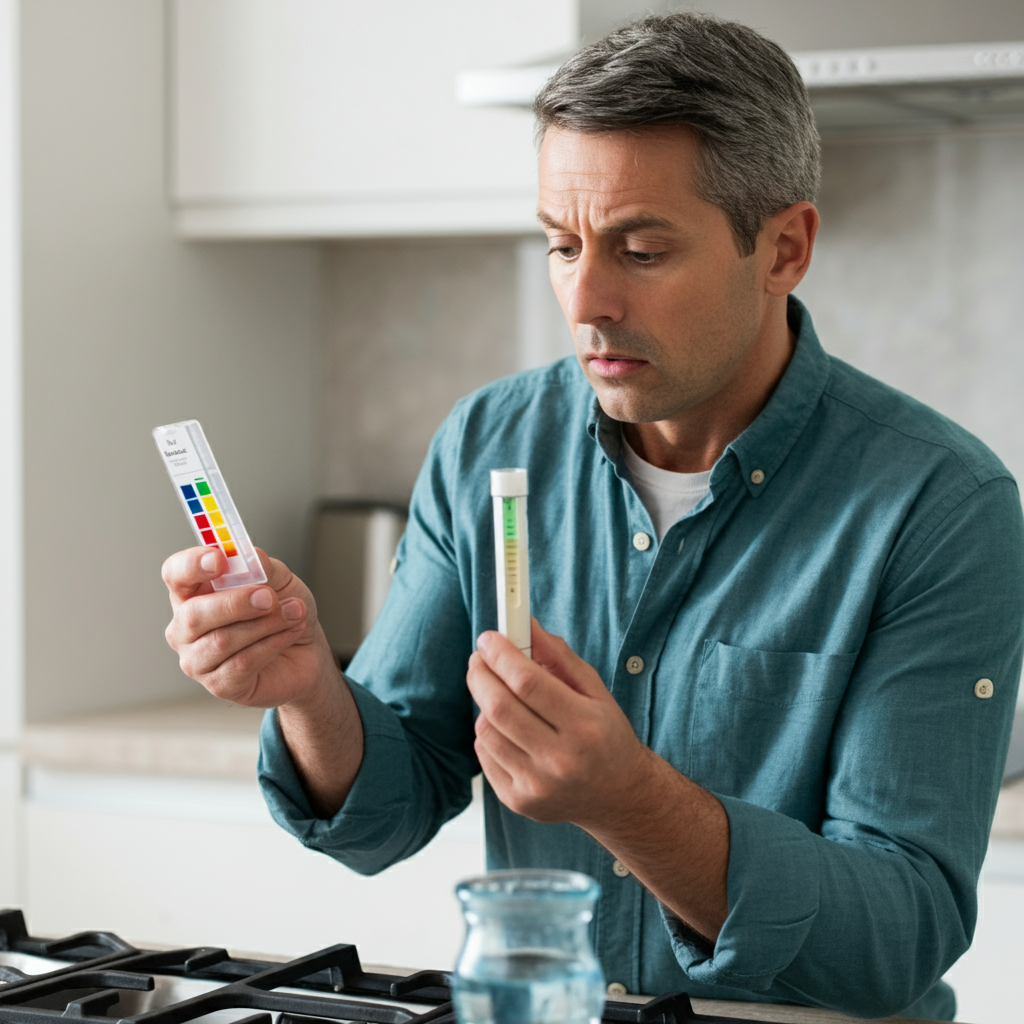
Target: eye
x=565 y=252
x=642 y=257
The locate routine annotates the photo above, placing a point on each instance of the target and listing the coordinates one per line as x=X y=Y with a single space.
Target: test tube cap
x=508 y=483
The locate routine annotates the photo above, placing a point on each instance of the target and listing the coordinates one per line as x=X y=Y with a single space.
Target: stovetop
x=97 y=978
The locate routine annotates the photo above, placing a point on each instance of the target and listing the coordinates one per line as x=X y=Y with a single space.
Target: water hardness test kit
x=511 y=556
x=207 y=502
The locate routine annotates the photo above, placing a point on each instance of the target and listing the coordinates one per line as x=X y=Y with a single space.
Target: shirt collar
x=762 y=448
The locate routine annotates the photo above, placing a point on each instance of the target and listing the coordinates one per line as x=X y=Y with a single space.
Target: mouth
x=615 y=366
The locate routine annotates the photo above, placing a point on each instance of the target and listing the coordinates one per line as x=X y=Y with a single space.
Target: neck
x=693 y=441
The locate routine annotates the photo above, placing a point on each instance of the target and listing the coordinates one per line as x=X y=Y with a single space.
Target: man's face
x=665 y=313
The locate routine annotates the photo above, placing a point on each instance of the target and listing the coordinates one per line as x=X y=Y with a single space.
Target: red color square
x=202 y=522
x=208 y=537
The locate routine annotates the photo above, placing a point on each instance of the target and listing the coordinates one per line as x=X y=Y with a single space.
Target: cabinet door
x=336 y=117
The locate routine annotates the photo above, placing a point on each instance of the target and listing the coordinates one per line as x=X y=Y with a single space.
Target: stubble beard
x=654 y=398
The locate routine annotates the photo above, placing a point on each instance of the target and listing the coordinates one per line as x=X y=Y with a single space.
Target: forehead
x=612 y=172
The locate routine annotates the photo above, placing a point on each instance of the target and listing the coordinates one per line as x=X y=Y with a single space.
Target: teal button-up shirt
x=812 y=634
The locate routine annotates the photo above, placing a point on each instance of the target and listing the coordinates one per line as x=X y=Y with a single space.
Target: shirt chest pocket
x=762 y=723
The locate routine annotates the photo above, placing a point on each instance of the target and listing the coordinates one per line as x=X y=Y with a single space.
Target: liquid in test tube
x=511 y=556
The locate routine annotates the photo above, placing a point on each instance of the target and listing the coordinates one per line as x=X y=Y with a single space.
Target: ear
x=789 y=241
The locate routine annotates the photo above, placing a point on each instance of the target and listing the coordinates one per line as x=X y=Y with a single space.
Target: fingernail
x=483 y=641
x=292 y=609
x=262 y=599
x=208 y=563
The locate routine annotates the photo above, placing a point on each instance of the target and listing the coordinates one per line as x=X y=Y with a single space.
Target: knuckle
x=524 y=683
x=187 y=665
x=219 y=641
x=188 y=617
x=219 y=687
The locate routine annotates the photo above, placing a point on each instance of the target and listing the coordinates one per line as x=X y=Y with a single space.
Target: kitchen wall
x=413 y=327
x=918 y=269
x=125 y=328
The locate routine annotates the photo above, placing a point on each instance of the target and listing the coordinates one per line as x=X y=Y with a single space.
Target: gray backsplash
x=918 y=278
x=918 y=275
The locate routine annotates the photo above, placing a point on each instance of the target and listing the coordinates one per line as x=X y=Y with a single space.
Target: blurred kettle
x=351 y=563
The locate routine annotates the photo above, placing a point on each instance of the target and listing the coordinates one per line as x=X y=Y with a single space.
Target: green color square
x=202 y=487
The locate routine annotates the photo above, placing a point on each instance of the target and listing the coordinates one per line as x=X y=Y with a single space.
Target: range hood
x=851 y=90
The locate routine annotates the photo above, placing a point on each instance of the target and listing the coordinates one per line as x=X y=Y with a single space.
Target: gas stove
x=97 y=978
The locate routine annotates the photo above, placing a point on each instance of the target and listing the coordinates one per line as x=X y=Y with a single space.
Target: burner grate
x=97 y=978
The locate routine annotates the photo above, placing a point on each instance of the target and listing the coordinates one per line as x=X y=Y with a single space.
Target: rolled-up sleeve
x=866 y=913
x=408 y=681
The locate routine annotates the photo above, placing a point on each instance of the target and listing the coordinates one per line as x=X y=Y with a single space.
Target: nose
x=595 y=291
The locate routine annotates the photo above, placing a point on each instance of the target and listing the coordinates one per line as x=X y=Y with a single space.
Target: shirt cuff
x=366 y=834
x=773 y=883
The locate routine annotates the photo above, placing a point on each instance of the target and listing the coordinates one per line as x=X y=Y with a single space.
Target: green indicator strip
x=508 y=518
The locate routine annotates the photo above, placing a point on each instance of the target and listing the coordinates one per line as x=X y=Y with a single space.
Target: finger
x=500 y=750
x=558 y=658
x=503 y=708
x=537 y=688
x=188 y=572
x=219 y=646
x=279 y=576
x=207 y=612
x=240 y=677
x=500 y=780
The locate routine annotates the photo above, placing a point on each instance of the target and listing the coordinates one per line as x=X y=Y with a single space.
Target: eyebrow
x=621 y=227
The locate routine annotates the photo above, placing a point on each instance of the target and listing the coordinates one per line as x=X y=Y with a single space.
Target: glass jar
x=527 y=957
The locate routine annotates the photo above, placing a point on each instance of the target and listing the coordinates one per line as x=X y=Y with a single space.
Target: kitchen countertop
x=787 y=1014
x=199 y=736
x=203 y=737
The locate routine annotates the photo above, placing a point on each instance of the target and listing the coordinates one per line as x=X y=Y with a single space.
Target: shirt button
x=983 y=688
x=635 y=665
x=620 y=869
x=757 y=477
x=616 y=988
x=641 y=541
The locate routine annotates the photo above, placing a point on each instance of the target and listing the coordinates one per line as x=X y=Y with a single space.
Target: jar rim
x=515 y=888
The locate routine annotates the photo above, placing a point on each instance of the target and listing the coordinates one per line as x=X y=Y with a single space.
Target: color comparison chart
x=209 y=519
x=202 y=491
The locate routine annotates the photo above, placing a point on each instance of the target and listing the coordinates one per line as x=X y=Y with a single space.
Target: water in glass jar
x=530 y=988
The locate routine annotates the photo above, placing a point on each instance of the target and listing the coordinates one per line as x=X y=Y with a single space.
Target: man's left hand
x=555 y=746
x=551 y=739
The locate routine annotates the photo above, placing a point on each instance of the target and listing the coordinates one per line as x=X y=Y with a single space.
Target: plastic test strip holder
x=511 y=556
x=207 y=502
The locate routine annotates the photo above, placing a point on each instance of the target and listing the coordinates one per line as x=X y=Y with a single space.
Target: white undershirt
x=667 y=496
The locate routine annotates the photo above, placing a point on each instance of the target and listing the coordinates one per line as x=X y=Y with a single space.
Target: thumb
x=557 y=657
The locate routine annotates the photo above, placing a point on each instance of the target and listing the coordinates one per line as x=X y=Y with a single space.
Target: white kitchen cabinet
x=149 y=823
x=317 y=118
x=200 y=862
x=10 y=793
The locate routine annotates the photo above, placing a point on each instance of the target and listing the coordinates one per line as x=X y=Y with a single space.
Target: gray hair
x=740 y=92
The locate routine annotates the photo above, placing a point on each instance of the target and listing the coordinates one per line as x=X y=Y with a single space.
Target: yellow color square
x=210 y=504
x=216 y=519
x=223 y=534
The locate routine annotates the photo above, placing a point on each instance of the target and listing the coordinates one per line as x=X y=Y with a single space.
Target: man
x=791 y=597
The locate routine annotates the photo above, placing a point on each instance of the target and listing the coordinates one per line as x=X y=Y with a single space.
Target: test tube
x=511 y=556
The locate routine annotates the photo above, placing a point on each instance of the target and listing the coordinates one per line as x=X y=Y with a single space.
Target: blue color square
x=188 y=490
x=196 y=506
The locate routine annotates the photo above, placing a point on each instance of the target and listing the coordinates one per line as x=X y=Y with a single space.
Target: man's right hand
x=262 y=646
x=258 y=645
